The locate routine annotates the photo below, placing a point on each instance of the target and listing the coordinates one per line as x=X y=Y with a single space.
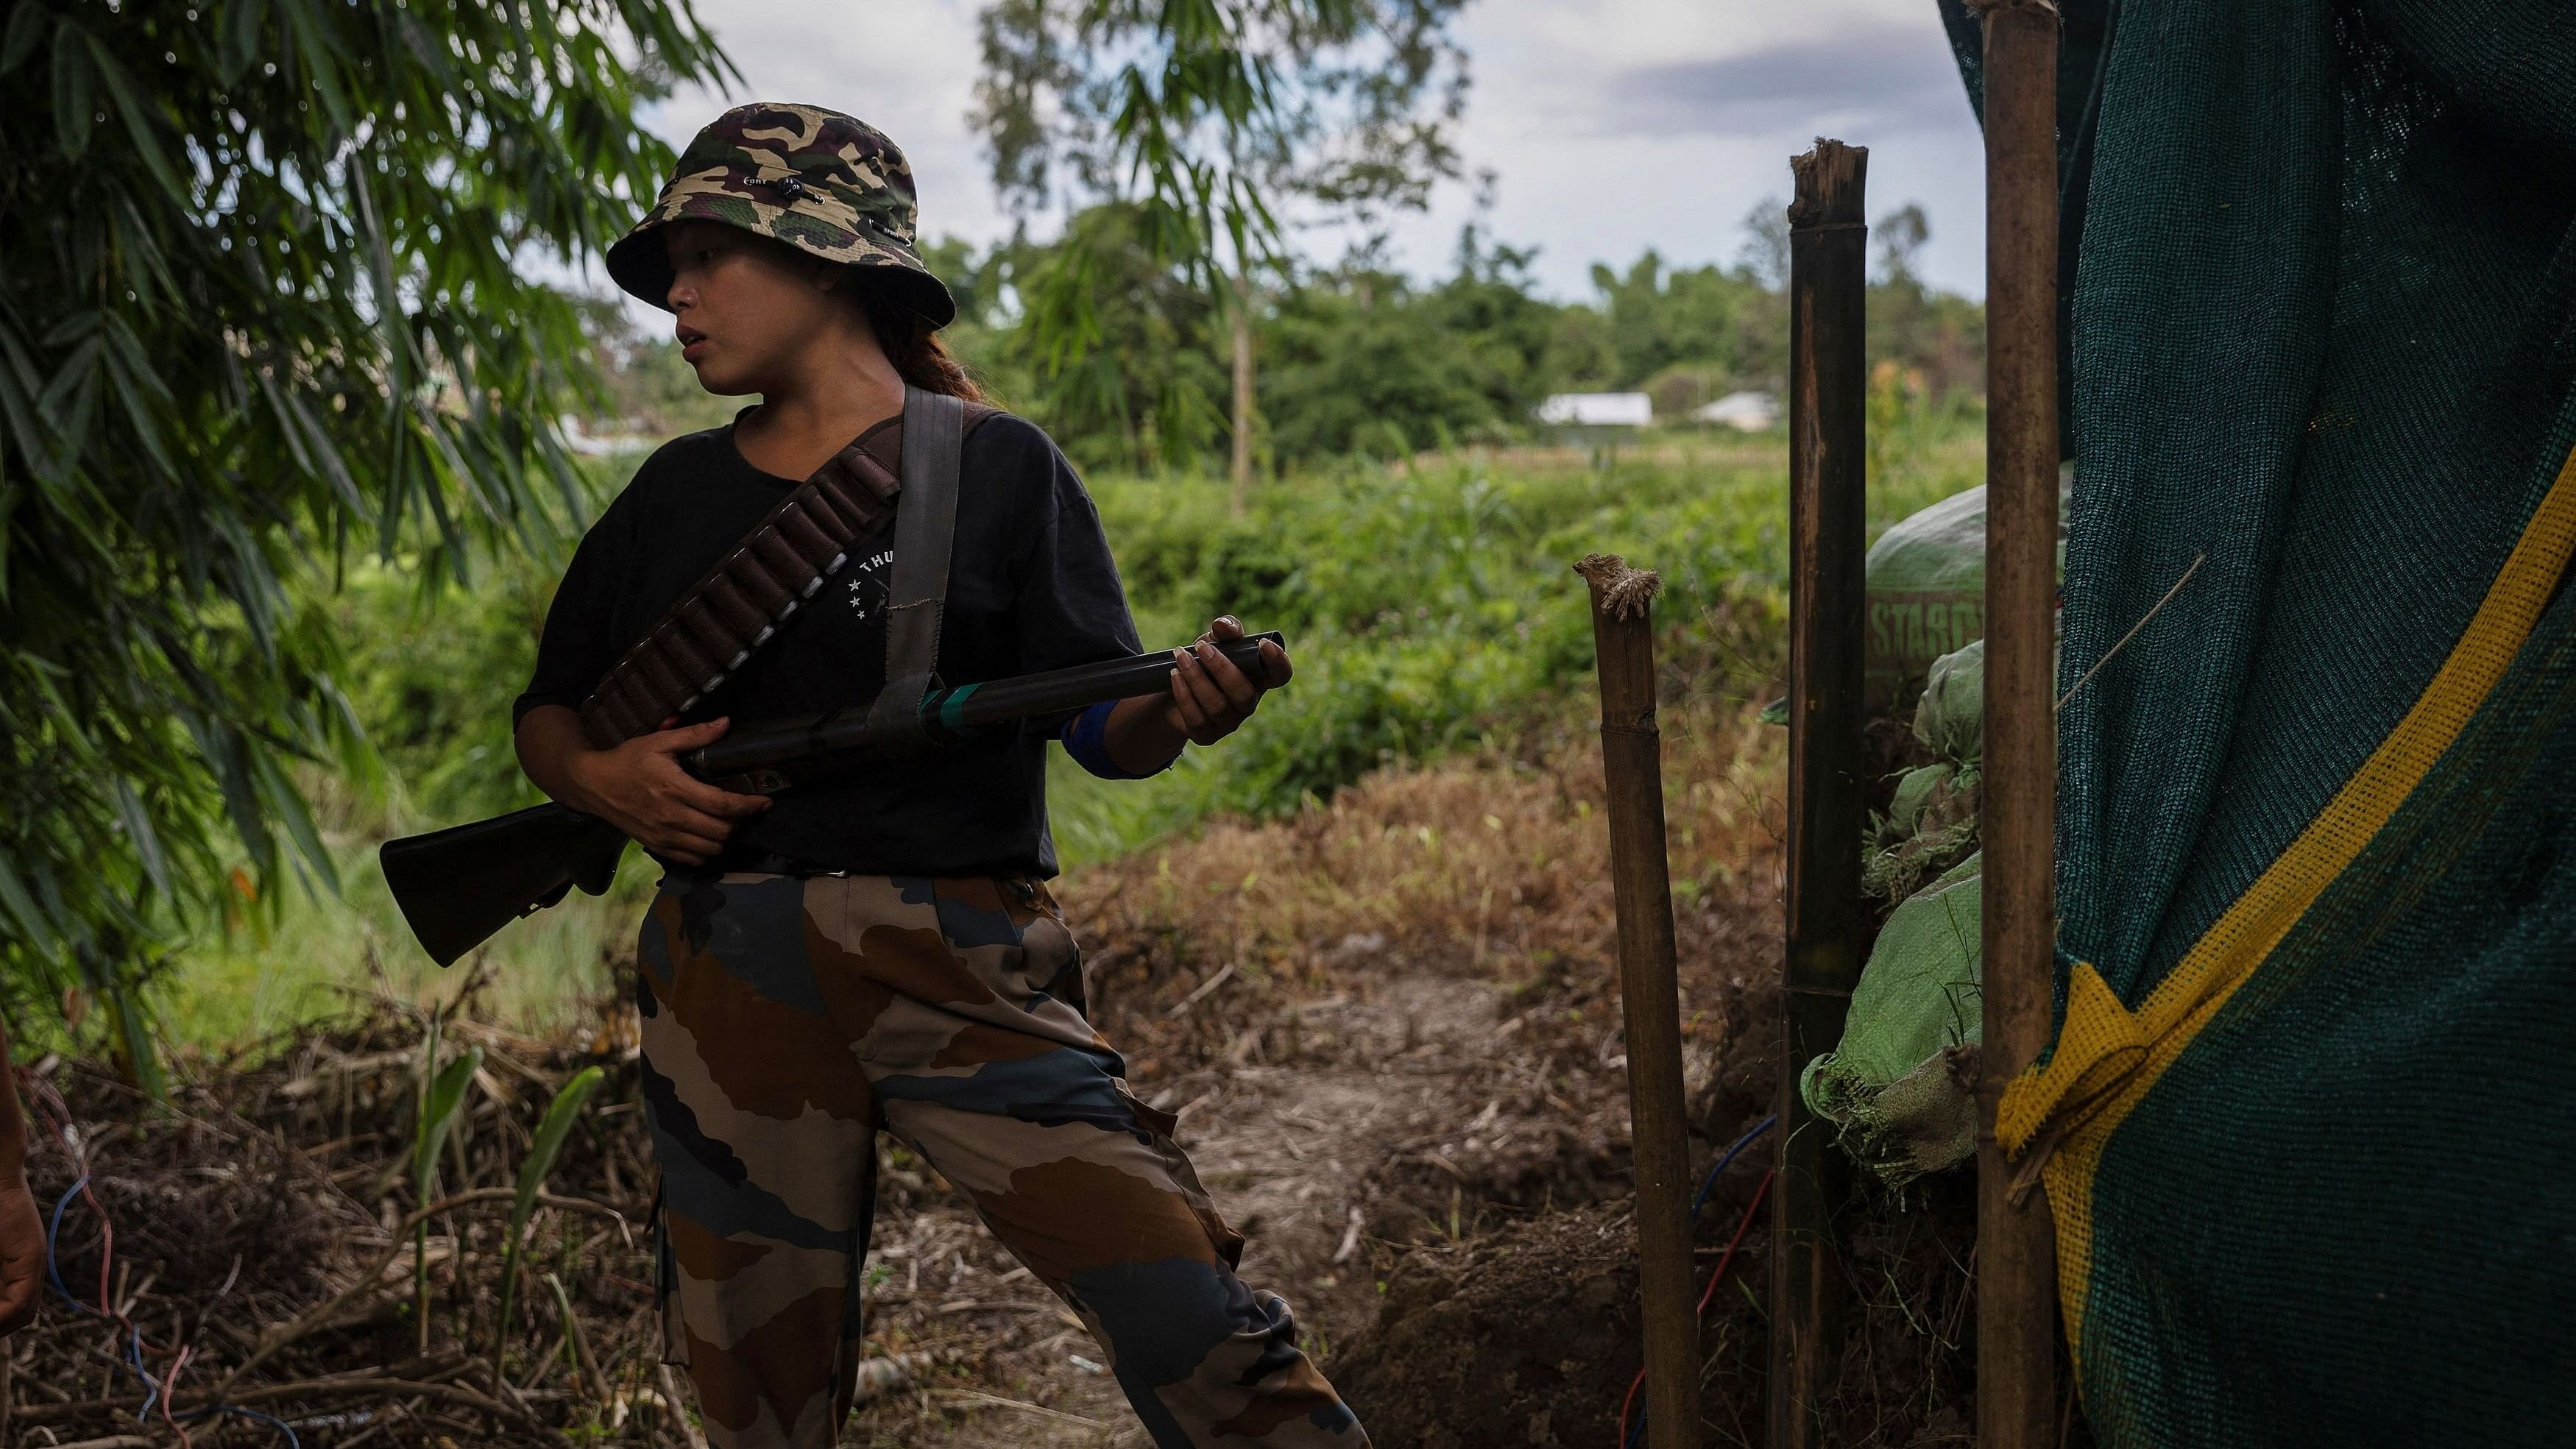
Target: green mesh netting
x=2322 y=341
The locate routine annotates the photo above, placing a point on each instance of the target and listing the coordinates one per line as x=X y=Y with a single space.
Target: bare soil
x=1390 y=1031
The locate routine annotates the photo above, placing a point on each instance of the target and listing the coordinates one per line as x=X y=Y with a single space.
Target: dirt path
x=1397 y=1004
x=1387 y=1023
x=1296 y=1153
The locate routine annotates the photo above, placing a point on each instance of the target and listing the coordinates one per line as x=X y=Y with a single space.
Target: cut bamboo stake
x=1623 y=637
x=2016 y=1247
x=1828 y=384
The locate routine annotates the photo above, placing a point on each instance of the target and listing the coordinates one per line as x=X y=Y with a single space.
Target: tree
x=1208 y=118
x=1141 y=394
x=266 y=300
x=1900 y=235
x=1932 y=333
x=1364 y=363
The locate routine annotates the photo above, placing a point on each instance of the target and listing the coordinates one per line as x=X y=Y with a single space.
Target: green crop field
x=1430 y=606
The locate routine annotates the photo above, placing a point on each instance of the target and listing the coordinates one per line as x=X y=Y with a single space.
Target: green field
x=1430 y=606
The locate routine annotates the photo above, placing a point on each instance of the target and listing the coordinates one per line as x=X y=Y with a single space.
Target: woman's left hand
x=1210 y=697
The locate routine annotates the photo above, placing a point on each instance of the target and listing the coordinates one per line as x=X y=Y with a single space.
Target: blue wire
x=1707 y=1185
x=134 y=1342
x=151 y=1387
x=270 y=1419
x=53 y=1234
x=54 y=1271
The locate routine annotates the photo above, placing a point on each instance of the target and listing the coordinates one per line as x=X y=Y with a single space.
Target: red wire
x=170 y=1391
x=1737 y=1241
x=1708 y=1294
x=58 y=1115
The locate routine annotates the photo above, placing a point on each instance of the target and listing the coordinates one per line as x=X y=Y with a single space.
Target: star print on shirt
x=866 y=584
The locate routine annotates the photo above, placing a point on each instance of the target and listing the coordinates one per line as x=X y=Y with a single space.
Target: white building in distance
x=1597 y=409
x=1747 y=412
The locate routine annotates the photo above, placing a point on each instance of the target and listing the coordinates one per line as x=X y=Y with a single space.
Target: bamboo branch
x=456 y=1394
x=372 y=1278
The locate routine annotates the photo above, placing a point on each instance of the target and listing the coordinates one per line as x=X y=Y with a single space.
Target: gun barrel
x=457 y=886
x=951 y=712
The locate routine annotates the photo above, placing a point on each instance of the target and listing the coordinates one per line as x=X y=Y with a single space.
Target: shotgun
x=459 y=885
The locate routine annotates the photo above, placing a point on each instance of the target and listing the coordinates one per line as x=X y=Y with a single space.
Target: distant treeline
x=1359 y=359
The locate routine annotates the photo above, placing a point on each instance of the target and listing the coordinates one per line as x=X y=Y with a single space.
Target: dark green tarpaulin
x=2313 y=1107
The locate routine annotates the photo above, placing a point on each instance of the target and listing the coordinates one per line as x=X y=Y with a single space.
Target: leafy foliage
x=265 y=304
x=1361 y=360
x=1432 y=606
x=1205 y=124
x=1215 y=111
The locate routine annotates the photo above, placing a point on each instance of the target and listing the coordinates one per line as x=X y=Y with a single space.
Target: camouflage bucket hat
x=822 y=182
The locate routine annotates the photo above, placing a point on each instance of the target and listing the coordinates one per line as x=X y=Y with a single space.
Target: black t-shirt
x=1030 y=586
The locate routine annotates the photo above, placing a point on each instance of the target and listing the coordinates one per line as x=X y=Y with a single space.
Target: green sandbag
x=1950 y=718
x=1926 y=591
x=1926 y=594
x=1931 y=821
x=1895 y=1088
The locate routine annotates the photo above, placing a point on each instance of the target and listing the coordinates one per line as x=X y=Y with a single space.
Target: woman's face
x=748 y=306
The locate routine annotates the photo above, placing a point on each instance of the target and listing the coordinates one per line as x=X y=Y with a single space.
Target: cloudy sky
x=1611 y=125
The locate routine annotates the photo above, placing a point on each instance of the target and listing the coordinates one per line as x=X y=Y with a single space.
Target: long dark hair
x=913 y=346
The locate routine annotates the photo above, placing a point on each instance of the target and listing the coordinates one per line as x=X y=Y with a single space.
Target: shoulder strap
x=738 y=605
x=925 y=533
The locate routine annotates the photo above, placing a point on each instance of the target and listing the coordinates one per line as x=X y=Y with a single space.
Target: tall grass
x=1429 y=605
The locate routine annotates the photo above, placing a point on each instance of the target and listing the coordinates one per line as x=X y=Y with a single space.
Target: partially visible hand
x=22 y=1256
x=640 y=788
x=1210 y=697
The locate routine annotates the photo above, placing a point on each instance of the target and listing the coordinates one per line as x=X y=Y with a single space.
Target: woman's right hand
x=640 y=788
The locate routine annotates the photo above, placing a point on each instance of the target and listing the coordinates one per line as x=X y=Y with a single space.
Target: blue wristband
x=1086 y=738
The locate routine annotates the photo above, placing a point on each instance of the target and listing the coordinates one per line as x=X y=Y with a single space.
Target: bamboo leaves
x=140 y=126
x=1202 y=121
x=72 y=94
x=259 y=296
x=26 y=30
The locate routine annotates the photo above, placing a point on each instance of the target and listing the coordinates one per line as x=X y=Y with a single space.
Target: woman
x=883 y=951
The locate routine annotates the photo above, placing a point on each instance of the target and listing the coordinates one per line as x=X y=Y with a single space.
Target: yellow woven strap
x=2060 y=1119
x=2105 y=1049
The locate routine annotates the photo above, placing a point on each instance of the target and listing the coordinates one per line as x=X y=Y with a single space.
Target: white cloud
x=1612 y=126
x=907 y=69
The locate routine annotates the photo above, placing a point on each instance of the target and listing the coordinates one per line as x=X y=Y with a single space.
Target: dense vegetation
x=1429 y=603
x=282 y=495
x=1360 y=360
x=266 y=304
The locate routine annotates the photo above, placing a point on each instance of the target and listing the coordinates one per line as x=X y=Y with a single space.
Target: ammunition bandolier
x=739 y=604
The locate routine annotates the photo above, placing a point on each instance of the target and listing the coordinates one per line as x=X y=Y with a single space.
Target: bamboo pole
x=1828 y=383
x=2016 y=1243
x=1623 y=636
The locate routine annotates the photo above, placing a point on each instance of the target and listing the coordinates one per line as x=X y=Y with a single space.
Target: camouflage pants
x=786 y=1019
